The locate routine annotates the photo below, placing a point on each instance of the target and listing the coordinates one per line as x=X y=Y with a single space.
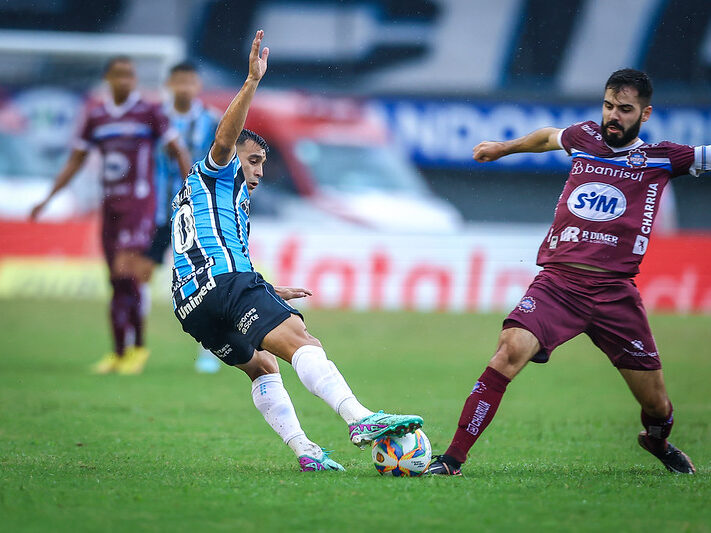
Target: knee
x=657 y=406
x=513 y=352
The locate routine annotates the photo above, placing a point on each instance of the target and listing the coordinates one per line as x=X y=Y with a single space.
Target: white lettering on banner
x=483 y=269
x=436 y=132
x=464 y=272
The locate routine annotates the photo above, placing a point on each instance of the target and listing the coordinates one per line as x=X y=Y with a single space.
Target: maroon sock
x=120 y=313
x=478 y=411
x=658 y=429
x=136 y=312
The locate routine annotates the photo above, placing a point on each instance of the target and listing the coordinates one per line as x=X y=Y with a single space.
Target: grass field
x=171 y=450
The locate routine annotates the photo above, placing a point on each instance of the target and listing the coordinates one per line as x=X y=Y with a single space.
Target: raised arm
x=71 y=167
x=543 y=140
x=232 y=123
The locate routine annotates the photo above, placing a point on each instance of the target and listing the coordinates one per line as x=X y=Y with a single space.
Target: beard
x=627 y=134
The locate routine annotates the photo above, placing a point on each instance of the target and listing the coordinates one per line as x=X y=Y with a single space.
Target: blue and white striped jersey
x=210 y=226
x=197 y=130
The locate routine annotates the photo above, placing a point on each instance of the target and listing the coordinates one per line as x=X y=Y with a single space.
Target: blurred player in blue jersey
x=196 y=126
x=223 y=303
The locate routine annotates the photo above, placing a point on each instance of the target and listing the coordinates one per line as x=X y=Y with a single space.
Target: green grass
x=171 y=450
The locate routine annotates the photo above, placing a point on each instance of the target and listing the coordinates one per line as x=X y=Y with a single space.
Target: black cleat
x=444 y=465
x=672 y=458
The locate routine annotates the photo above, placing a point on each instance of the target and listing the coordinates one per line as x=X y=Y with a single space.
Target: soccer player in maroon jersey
x=126 y=130
x=599 y=235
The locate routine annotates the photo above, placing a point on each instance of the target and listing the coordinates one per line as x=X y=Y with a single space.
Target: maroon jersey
x=126 y=136
x=605 y=213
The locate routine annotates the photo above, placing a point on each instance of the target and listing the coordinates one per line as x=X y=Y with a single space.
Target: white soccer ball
x=406 y=456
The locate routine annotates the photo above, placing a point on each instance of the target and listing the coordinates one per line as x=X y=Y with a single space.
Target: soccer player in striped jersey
x=196 y=124
x=228 y=307
x=126 y=130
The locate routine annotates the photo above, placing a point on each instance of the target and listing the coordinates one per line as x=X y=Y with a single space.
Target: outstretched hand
x=257 y=62
x=288 y=293
x=488 y=151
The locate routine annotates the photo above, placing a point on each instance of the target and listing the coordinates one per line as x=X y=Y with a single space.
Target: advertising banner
x=443 y=133
x=485 y=268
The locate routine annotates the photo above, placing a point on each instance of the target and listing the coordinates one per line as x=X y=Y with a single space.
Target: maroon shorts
x=563 y=302
x=127 y=229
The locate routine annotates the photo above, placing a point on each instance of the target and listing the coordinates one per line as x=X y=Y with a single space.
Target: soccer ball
x=406 y=456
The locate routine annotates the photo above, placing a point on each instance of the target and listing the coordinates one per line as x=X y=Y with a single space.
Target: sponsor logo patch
x=640 y=245
x=247 y=320
x=597 y=202
x=245 y=206
x=605 y=170
x=195 y=299
x=639 y=350
x=223 y=352
x=181 y=282
x=527 y=304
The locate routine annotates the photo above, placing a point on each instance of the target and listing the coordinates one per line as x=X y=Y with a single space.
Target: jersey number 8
x=183 y=229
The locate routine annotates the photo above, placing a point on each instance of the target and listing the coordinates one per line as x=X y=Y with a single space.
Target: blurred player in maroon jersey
x=598 y=238
x=126 y=130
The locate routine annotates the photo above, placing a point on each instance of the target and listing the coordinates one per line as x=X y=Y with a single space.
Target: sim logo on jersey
x=527 y=304
x=637 y=159
x=598 y=202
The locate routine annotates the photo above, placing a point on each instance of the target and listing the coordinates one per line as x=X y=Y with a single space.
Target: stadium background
x=423 y=81
x=431 y=78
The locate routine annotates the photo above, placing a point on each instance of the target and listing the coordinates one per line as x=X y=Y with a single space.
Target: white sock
x=145 y=291
x=272 y=400
x=321 y=377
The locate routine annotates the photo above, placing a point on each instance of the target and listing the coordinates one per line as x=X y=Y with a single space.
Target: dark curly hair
x=629 y=77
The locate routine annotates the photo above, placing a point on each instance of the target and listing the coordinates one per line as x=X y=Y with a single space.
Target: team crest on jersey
x=637 y=159
x=527 y=304
x=245 y=206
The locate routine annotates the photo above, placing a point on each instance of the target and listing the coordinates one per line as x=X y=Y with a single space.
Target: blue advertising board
x=443 y=133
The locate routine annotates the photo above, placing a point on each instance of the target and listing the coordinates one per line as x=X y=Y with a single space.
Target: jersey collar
x=196 y=108
x=118 y=110
x=639 y=142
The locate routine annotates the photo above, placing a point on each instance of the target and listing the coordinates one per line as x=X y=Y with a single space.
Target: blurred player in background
x=223 y=303
x=599 y=236
x=196 y=126
x=126 y=130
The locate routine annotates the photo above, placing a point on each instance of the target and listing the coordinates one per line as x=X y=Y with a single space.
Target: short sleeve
x=573 y=137
x=228 y=171
x=702 y=160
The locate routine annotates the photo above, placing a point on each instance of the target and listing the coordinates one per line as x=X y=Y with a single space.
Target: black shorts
x=236 y=313
x=160 y=242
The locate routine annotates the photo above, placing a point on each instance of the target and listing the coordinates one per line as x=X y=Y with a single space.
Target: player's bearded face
x=617 y=135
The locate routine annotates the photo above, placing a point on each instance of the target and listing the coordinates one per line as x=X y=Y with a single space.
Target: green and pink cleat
x=381 y=424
